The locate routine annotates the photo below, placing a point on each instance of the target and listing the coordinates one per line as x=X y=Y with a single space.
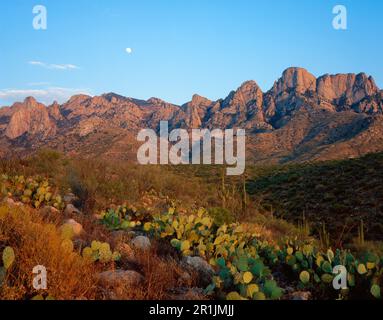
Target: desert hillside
x=114 y=230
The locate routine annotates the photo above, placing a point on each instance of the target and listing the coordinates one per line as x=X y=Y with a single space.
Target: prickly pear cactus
x=8 y=257
x=35 y=191
x=99 y=251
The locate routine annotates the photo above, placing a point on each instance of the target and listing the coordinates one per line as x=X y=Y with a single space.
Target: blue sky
x=179 y=47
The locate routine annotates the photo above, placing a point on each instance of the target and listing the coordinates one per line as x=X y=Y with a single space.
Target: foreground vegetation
x=251 y=254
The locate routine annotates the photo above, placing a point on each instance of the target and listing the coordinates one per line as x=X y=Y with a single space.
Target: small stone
x=141 y=243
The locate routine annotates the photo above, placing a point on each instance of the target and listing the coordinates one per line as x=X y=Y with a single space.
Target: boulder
x=141 y=243
x=70 y=198
x=76 y=227
x=200 y=266
x=120 y=278
x=70 y=209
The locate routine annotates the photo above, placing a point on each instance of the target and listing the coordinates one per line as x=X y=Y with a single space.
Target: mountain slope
x=337 y=193
x=300 y=118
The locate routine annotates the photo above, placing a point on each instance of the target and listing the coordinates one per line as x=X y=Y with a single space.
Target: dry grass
x=36 y=240
x=38 y=243
x=164 y=279
x=162 y=274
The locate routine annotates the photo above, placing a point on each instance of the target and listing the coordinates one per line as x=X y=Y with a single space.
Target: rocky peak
x=200 y=101
x=352 y=87
x=249 y=86
x=247 y=95
x=241 y=107
x=296 y=79
x=156 y=101
x=30 y=117
x=193 y=112
x=30 y=102
x=113 y=97
x=54 y=111
x=77 y=99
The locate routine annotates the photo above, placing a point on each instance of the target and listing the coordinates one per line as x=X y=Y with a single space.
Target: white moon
x=129 y=50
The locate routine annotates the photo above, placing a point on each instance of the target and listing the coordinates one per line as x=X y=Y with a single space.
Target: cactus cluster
x=230 y=249
x=100 y=251
x=244 y=264
x=315 y=268
x=122 y=217
x=35 y=191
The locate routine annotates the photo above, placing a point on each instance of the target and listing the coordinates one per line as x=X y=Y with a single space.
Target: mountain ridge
x=300 y=118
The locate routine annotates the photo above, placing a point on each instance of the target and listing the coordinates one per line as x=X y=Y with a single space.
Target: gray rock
x=70 y=209
x=200 y=266
x=70 y=198
x=120 y=278
x=141 y=243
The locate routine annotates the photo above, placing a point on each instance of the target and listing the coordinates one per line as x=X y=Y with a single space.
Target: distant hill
x=300 y=118
x=338 y=193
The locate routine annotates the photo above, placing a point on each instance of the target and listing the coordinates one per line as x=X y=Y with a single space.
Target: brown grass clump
x=69 y=276
x=164 y=279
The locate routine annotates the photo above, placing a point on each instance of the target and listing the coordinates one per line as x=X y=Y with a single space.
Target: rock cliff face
x=300 y=118
x=30 y=118
x=353 y=88
x=294 y=79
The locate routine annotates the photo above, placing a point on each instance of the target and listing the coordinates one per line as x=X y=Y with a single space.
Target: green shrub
x=221 y=216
